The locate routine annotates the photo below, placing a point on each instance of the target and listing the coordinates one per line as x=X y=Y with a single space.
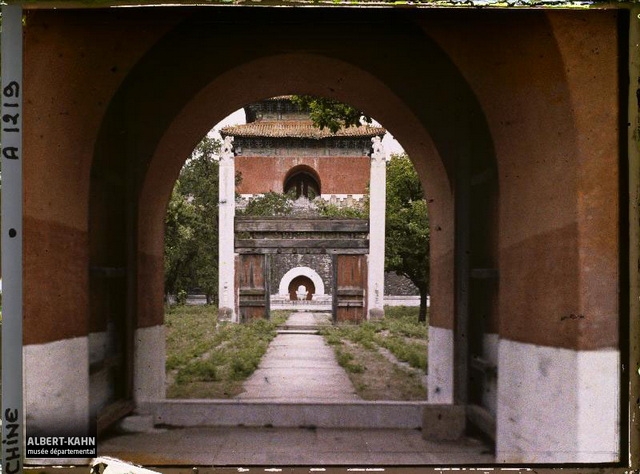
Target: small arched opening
x=301 y=288
x=302 y=181
x=309 y=278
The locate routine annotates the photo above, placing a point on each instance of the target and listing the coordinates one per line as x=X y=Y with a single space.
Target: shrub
x=270 y=204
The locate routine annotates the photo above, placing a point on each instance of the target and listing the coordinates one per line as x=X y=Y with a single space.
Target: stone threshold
x=273 y=413
x=297 y=331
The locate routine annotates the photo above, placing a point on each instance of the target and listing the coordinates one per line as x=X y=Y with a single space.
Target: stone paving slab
x=347 y=414
x=303 y=318
x=296 y=368
x=299 y=367
x=241 y=446
x=297 y=331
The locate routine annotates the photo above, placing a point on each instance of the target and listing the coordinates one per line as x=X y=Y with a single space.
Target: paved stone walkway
x=299 y=367
x=246 y=446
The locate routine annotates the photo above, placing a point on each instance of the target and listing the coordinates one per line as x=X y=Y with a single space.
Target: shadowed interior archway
x=121 y=97
x=309 y=273
x=302 y=180
x=301 y=282
x=421 y=108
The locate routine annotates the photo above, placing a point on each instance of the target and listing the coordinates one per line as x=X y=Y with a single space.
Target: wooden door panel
x=350 y=280
x=253 y=291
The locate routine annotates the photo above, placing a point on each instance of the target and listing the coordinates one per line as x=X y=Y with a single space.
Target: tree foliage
x=407 y=227
x=191 y=226
x=329 y=113
x=356 y=211
x=274 y=204
x=268 y=205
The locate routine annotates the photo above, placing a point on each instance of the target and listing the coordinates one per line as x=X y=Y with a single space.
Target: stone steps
x=297 y=331
x=301 y=327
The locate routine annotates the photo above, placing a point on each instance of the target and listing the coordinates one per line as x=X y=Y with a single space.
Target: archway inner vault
x=532 y=270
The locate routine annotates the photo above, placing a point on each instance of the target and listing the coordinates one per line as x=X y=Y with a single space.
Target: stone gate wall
x=281 y=264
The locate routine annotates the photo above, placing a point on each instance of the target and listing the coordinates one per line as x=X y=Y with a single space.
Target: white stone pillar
x=377 y=205
x=226 y=215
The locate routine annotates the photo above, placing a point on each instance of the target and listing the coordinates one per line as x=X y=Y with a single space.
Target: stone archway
x=302 y=180
x=95 y=215
x=309 y=273
x=427 y=139
x=301 y=287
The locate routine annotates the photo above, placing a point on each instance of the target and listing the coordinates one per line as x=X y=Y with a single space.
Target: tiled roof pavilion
x=293 y=126
x=297 y=129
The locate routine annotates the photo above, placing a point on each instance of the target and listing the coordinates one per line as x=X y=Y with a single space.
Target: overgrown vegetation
x=270 y=204
x=191 y=226
x=369 y=352
x=407 y=233
x=206 y=360
x=274 y=204
x=385 y=360
x=355 y=211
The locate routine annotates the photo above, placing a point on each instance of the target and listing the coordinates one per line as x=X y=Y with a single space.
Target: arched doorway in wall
x=302 y=181
x=418 y=94
x=309 y=278
x=301 y=288
x=423 y=118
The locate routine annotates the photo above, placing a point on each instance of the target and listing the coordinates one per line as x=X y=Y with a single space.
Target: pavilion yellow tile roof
x=297 y=129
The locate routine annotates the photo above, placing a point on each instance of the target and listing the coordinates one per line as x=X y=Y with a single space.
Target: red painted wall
x=338 y=175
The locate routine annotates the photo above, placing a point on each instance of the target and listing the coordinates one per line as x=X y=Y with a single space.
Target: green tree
x=191 y=236
x=329 y=113
x=407 y=227
x=179 y=243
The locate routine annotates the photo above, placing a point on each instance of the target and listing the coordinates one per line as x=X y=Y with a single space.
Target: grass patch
x=403 y=321
x=207 y=360
x=359 y=349
x=376 y=378
x=346 y=361
x=190 y=332
x=407 y=350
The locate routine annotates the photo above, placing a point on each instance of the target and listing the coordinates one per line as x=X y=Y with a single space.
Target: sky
x=391 y=145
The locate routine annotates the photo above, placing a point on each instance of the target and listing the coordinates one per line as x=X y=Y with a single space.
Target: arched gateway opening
x=301 y=276
x=529 y=273
x=423 y=115
x=302 y=181
x=301 y=288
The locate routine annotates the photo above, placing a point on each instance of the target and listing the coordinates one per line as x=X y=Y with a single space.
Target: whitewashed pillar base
x=557 y=405
x=149 y=364
x=440 y=376
x=56 y=389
